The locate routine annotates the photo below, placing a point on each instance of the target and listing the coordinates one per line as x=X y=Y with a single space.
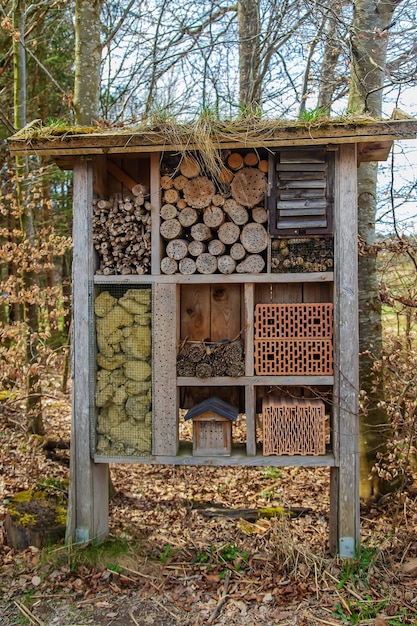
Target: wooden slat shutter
x=302 y=192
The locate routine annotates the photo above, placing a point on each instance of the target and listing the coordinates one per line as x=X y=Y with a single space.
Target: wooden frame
x=90 y=510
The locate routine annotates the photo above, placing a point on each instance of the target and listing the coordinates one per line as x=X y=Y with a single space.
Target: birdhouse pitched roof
x=213 y=404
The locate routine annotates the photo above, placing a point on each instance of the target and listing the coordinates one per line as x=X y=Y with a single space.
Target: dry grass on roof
x=202 y=136
x=192 y=133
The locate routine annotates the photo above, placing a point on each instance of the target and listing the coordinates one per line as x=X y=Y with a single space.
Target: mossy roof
x=67 y=143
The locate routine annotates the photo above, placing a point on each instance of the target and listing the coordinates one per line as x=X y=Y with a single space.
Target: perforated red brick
x=293 y=357
x=294 y=321
x=293 y=426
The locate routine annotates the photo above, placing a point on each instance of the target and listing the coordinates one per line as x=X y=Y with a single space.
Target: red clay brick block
x=293 y=339
x=304 y=357
x=294 y=321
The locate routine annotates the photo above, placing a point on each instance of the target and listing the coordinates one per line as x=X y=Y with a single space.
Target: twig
x=28 y=614
x=21 y=426
x=132 y=617
x=44 y=596
x=323 y=621
x=316 y=580
x=344 y=603
x=222 y=599
x=348 y=589
x=132 y=571
x=121 y=575
x=165 y=609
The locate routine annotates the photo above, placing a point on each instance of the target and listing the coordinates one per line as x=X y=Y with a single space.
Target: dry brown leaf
x=410 y=567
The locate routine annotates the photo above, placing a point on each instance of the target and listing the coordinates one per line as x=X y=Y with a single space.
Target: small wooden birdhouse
x=212 y=427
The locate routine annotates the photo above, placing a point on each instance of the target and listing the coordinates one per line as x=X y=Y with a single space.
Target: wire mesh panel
x=302 y=255
x=123 y=394
x=293 y=426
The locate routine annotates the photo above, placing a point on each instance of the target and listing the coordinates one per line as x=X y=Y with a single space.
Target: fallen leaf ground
x=166 y=563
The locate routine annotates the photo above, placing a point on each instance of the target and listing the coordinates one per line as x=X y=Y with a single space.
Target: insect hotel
x=215 y=284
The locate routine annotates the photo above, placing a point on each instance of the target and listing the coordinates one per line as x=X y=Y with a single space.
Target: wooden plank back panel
x=280 y=293
x=225 y=312
x=210 y=311
x=263 y=293
x=190 y=396
x=100 y=177
x=136 y=169
x=114 y=186
x=287 y=292
x=317 y=292
x=195 y=312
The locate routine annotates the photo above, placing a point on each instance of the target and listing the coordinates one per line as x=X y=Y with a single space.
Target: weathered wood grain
x=88 y=511
x=346 y=391
x=165 y=400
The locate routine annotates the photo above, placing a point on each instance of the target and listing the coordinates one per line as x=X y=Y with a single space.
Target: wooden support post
x=165 y=402
x=247 y=316
x=89 y=486
x=250 y=404
x=345 y=530
x=155 y=187
x=250 y=393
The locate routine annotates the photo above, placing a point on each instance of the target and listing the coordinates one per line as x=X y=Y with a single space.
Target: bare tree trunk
x=34 y=397
x=87 y=61
x=369 y=48
x=249 y=55
x=374 y=423
x=332 y=50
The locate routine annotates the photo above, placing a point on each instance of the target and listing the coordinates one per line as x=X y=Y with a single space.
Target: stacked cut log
x=215 y=226
x=204 y=359
x=123 y=396
x=302 y=255
x=122 y=234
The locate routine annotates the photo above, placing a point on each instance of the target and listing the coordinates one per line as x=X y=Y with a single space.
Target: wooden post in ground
x=89 y=482
x=344 y=496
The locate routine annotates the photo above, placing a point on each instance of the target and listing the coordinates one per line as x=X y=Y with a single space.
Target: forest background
x=169 y=62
